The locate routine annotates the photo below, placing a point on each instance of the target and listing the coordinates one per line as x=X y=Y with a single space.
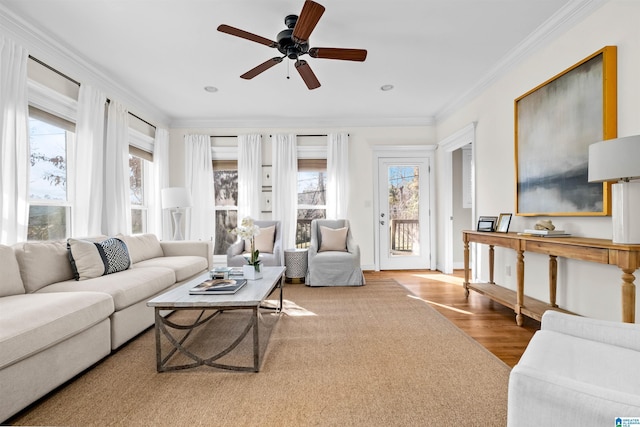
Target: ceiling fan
x=294 y=43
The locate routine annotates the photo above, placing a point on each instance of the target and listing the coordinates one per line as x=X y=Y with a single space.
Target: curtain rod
x=235 y=136
x=49 y=67
x=54 y=70
x=313 y=135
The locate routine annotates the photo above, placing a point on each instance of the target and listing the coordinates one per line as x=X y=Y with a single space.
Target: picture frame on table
x=487 y=223
x=503 y=223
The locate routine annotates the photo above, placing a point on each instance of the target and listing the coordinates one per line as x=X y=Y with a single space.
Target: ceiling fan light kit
x=293 y=42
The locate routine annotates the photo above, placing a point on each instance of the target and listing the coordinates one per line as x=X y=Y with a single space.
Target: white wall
x=586 y=288
x=361 y=140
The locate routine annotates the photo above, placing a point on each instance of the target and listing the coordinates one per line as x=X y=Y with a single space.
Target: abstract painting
x=555 y=124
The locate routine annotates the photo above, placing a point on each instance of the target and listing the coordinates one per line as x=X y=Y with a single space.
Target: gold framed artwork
x=554 y=125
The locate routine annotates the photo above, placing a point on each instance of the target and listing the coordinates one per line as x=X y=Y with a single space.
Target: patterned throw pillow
x=94 y=259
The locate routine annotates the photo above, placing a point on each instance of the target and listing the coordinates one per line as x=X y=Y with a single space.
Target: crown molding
x=568 y=16
x=68 y=61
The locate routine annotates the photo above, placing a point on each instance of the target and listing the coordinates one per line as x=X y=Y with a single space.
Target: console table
x=626 y=257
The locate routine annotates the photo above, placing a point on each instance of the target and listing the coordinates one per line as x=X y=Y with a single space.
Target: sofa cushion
x=93 y=259
x=11 y=283
x=333 y=239
x=142 y=247
x=183 y=266
x=39 y=321
x=127 y=287
x=43 y=263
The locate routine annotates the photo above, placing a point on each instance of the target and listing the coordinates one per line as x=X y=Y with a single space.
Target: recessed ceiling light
x=386 y=87
x=211 y=89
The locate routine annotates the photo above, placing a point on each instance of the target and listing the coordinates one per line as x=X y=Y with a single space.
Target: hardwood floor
x=488 y=322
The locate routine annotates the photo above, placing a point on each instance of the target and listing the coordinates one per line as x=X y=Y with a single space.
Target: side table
x=295 y=260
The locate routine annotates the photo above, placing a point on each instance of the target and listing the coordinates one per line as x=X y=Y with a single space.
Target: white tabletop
x=252 y=294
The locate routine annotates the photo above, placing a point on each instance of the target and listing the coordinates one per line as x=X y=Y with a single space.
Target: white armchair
x=576 y=371
x=334 y=261
x=270 y=251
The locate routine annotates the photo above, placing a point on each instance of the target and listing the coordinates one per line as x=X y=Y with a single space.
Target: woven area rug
x=360 y=356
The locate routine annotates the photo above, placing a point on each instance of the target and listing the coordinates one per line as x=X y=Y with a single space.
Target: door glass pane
x=404 y=210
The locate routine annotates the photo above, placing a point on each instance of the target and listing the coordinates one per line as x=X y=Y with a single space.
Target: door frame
x=401 y=151
x=459 y=139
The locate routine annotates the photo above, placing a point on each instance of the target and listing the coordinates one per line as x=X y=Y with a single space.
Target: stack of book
x=218 y=287
x=544 y=233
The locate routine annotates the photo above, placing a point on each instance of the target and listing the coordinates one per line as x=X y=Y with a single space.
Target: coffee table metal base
x=164 y=326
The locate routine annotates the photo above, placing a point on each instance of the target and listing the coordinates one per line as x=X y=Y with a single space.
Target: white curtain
x=285 y=179
x=117 y=203
x=159 y=224
x=337 y=175
x=89 y=177
x=199 y=181
x=14 y=143
x=249 y=175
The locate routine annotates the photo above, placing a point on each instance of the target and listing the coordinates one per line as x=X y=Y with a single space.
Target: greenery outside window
x=312 y=184
x=225 y=178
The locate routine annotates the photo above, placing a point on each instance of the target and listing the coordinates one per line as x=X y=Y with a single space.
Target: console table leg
x=491 y=258
x=466 y=268
x=520 y=285
x=628 y=296
x=553 y=279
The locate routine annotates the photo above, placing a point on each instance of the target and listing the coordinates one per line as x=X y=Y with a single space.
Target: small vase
x=250 y=272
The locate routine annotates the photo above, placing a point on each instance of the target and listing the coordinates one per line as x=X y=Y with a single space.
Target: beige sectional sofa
x=53 y=327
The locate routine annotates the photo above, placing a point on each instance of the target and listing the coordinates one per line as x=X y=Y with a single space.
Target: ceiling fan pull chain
x=288 y=75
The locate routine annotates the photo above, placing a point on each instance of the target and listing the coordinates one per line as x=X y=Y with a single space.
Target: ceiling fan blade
x=307 y=75
x=337 y=53
x=261 y=68
x=246 y=35
x=309 y=17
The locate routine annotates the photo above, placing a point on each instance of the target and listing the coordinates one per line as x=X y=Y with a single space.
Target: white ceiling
x=164 y=52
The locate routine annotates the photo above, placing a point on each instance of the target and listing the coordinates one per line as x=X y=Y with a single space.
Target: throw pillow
x=142 y=247
x=264 y=240
x=333 y=239
x=95 y=259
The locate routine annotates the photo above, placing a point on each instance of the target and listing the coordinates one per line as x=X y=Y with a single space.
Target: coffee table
x=250 y=297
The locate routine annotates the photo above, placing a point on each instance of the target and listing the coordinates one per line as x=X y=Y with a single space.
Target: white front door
x=403 y=213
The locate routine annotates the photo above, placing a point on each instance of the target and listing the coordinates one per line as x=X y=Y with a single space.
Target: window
x=225 y=178
x=140 y=158
x=137 y=195
x=50 y=138
x=312 y=183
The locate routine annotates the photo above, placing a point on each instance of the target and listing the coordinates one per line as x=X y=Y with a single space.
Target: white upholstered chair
x=271 y=253
x=576 y=371
x=334 y=256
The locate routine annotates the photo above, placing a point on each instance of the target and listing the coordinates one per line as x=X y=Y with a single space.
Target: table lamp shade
x=619 y=160
x=175 y=197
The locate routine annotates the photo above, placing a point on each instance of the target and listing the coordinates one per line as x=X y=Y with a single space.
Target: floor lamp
x=176 y=198
x=618 y=160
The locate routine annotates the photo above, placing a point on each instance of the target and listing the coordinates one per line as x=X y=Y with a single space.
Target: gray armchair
x=333 y=267
x=235 y=253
